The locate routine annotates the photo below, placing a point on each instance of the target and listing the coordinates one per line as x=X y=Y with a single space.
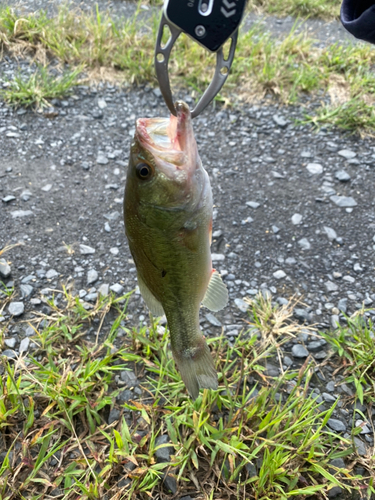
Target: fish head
x=165 y=170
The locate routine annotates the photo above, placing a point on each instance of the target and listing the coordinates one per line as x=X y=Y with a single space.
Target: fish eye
x=144 y=171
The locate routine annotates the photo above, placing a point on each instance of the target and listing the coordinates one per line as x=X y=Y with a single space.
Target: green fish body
x=168 y=221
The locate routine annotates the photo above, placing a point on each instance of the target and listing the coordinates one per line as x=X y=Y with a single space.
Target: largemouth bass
x=168 y=223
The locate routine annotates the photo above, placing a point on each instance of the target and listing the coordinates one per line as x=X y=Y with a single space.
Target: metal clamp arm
x=162 y=55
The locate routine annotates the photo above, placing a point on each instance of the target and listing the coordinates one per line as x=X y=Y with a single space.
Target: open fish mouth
x=156 y=132
x=167 y=138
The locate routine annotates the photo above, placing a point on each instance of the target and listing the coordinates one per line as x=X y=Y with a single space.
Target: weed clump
x=255 y=437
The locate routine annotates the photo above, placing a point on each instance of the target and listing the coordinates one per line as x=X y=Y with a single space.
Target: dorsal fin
x=216 y=297
x=152 y=303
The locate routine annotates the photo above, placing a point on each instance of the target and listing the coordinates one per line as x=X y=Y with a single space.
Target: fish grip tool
x=210 y=23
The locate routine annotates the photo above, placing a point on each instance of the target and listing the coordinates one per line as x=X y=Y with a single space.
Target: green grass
x=39 y=87
x=323 y=9
x=288 y=68
x=355 y=114
x=354 y=343
x=255 y=437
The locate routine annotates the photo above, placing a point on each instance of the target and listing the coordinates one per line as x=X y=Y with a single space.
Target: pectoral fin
x=216 y=297
x=152 y=303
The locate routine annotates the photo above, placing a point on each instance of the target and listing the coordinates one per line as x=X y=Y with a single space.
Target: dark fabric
x=358 y=17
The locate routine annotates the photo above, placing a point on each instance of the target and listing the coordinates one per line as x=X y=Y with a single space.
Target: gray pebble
x=26 y=291
x=335 y=321
x=86 y=250
x=51 y=273
x=114 y=415
x=129 y=378
x=302 y=314
x=330 y=286
x=241 y=305
x=213 y=320
x=91 y=297
x=253 y=204
x=338 y=462
x=163 y=454
x=125 y=396
x=26 y=195
x=29 y=331
x=315 y=345
x=299 y=351
x=342 y=176
x=357 y=268
x=347 y=154
x=315 y=168
x=330 y=386
x=279 y=274
x=342 y=305
x=328 y=397
x=123 y=482
x=360 y=446
x=5 y=269
x=290 y=261
x=287 y=361
x=343 y=201
x=92 y=276
x=9 y=354
x=336 y=425
x=103 y=290
x=282 y=301
x=303 y=335
x=217 y=257
x=117 y=288
x=364 y=426
x=16 y=308
x=21 y=213
x=57 y=492
x=280 y=121
x=296 y=219
x=170 y=483
x=24 y=346
x=334 y=492
x=348 y=278
x=8 y=198
x=11 y=342
x=101 y=159
x=320 y=355
x=331 y=233
x=304 y=244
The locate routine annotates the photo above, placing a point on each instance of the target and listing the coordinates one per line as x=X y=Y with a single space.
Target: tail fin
x=197 y=368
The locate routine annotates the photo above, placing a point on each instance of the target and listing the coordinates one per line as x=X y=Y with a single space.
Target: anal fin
x=152 y=303
x=216 y=297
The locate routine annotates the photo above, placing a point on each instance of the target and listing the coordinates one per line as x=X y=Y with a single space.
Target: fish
x=168 y=223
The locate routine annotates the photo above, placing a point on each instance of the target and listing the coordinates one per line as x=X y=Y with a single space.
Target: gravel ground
x=294 y=213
